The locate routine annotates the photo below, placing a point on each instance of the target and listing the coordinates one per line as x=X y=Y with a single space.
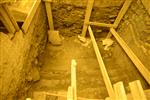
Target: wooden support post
x=6 y=20
x=14 y=22
x=142 y=69
x=30 y=16
x=73 y=79
x=49 y=15
x=120 y=15
x=102 y=66
x=100 y=24
x=120 y=91
x=137 y=91
x=87 y=17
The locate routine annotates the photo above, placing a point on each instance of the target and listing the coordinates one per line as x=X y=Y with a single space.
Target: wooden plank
x=73 y=79
x=47 y=0
x=122 y=12
x=120 y=91
x=49 y=15
x=100 y=24
x=11 y=17
x=142 y=69
x=137 y=91
x=70 y=93
x=30 y=16
x=6 y=21
x=87 y=17
x=102 y=65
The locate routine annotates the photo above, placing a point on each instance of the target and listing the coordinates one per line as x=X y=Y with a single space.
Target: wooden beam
x=122 y=12
x=10 y=15
x=120 y=91
x=73 y=79
x=137 y=91
x=87 y=16
x=30 y=16
x=6 y=20
x=47 y=0
x=100 y=24
x=102 y=65
x=142 y=69
x=49 y=15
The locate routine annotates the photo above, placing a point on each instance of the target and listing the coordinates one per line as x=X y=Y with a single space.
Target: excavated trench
x=55 y=62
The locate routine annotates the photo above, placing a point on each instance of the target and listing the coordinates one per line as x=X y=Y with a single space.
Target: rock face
x=98 y=3
x=18 y=57
x=135 y=30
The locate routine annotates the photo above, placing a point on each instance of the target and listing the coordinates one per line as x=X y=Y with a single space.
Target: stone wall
x=98 y=3
x=19 y=58
x=135 y=30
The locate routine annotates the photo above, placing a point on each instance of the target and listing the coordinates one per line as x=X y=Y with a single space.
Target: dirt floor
x=55 y=69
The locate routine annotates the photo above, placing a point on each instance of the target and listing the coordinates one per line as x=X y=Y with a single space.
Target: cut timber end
x=54 y=38
x=28 y=99
x=74 y=63
x=120 y=91
x=137 y=91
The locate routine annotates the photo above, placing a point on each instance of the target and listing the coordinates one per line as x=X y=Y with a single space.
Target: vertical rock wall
x=19 y=57
x=135 y=30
